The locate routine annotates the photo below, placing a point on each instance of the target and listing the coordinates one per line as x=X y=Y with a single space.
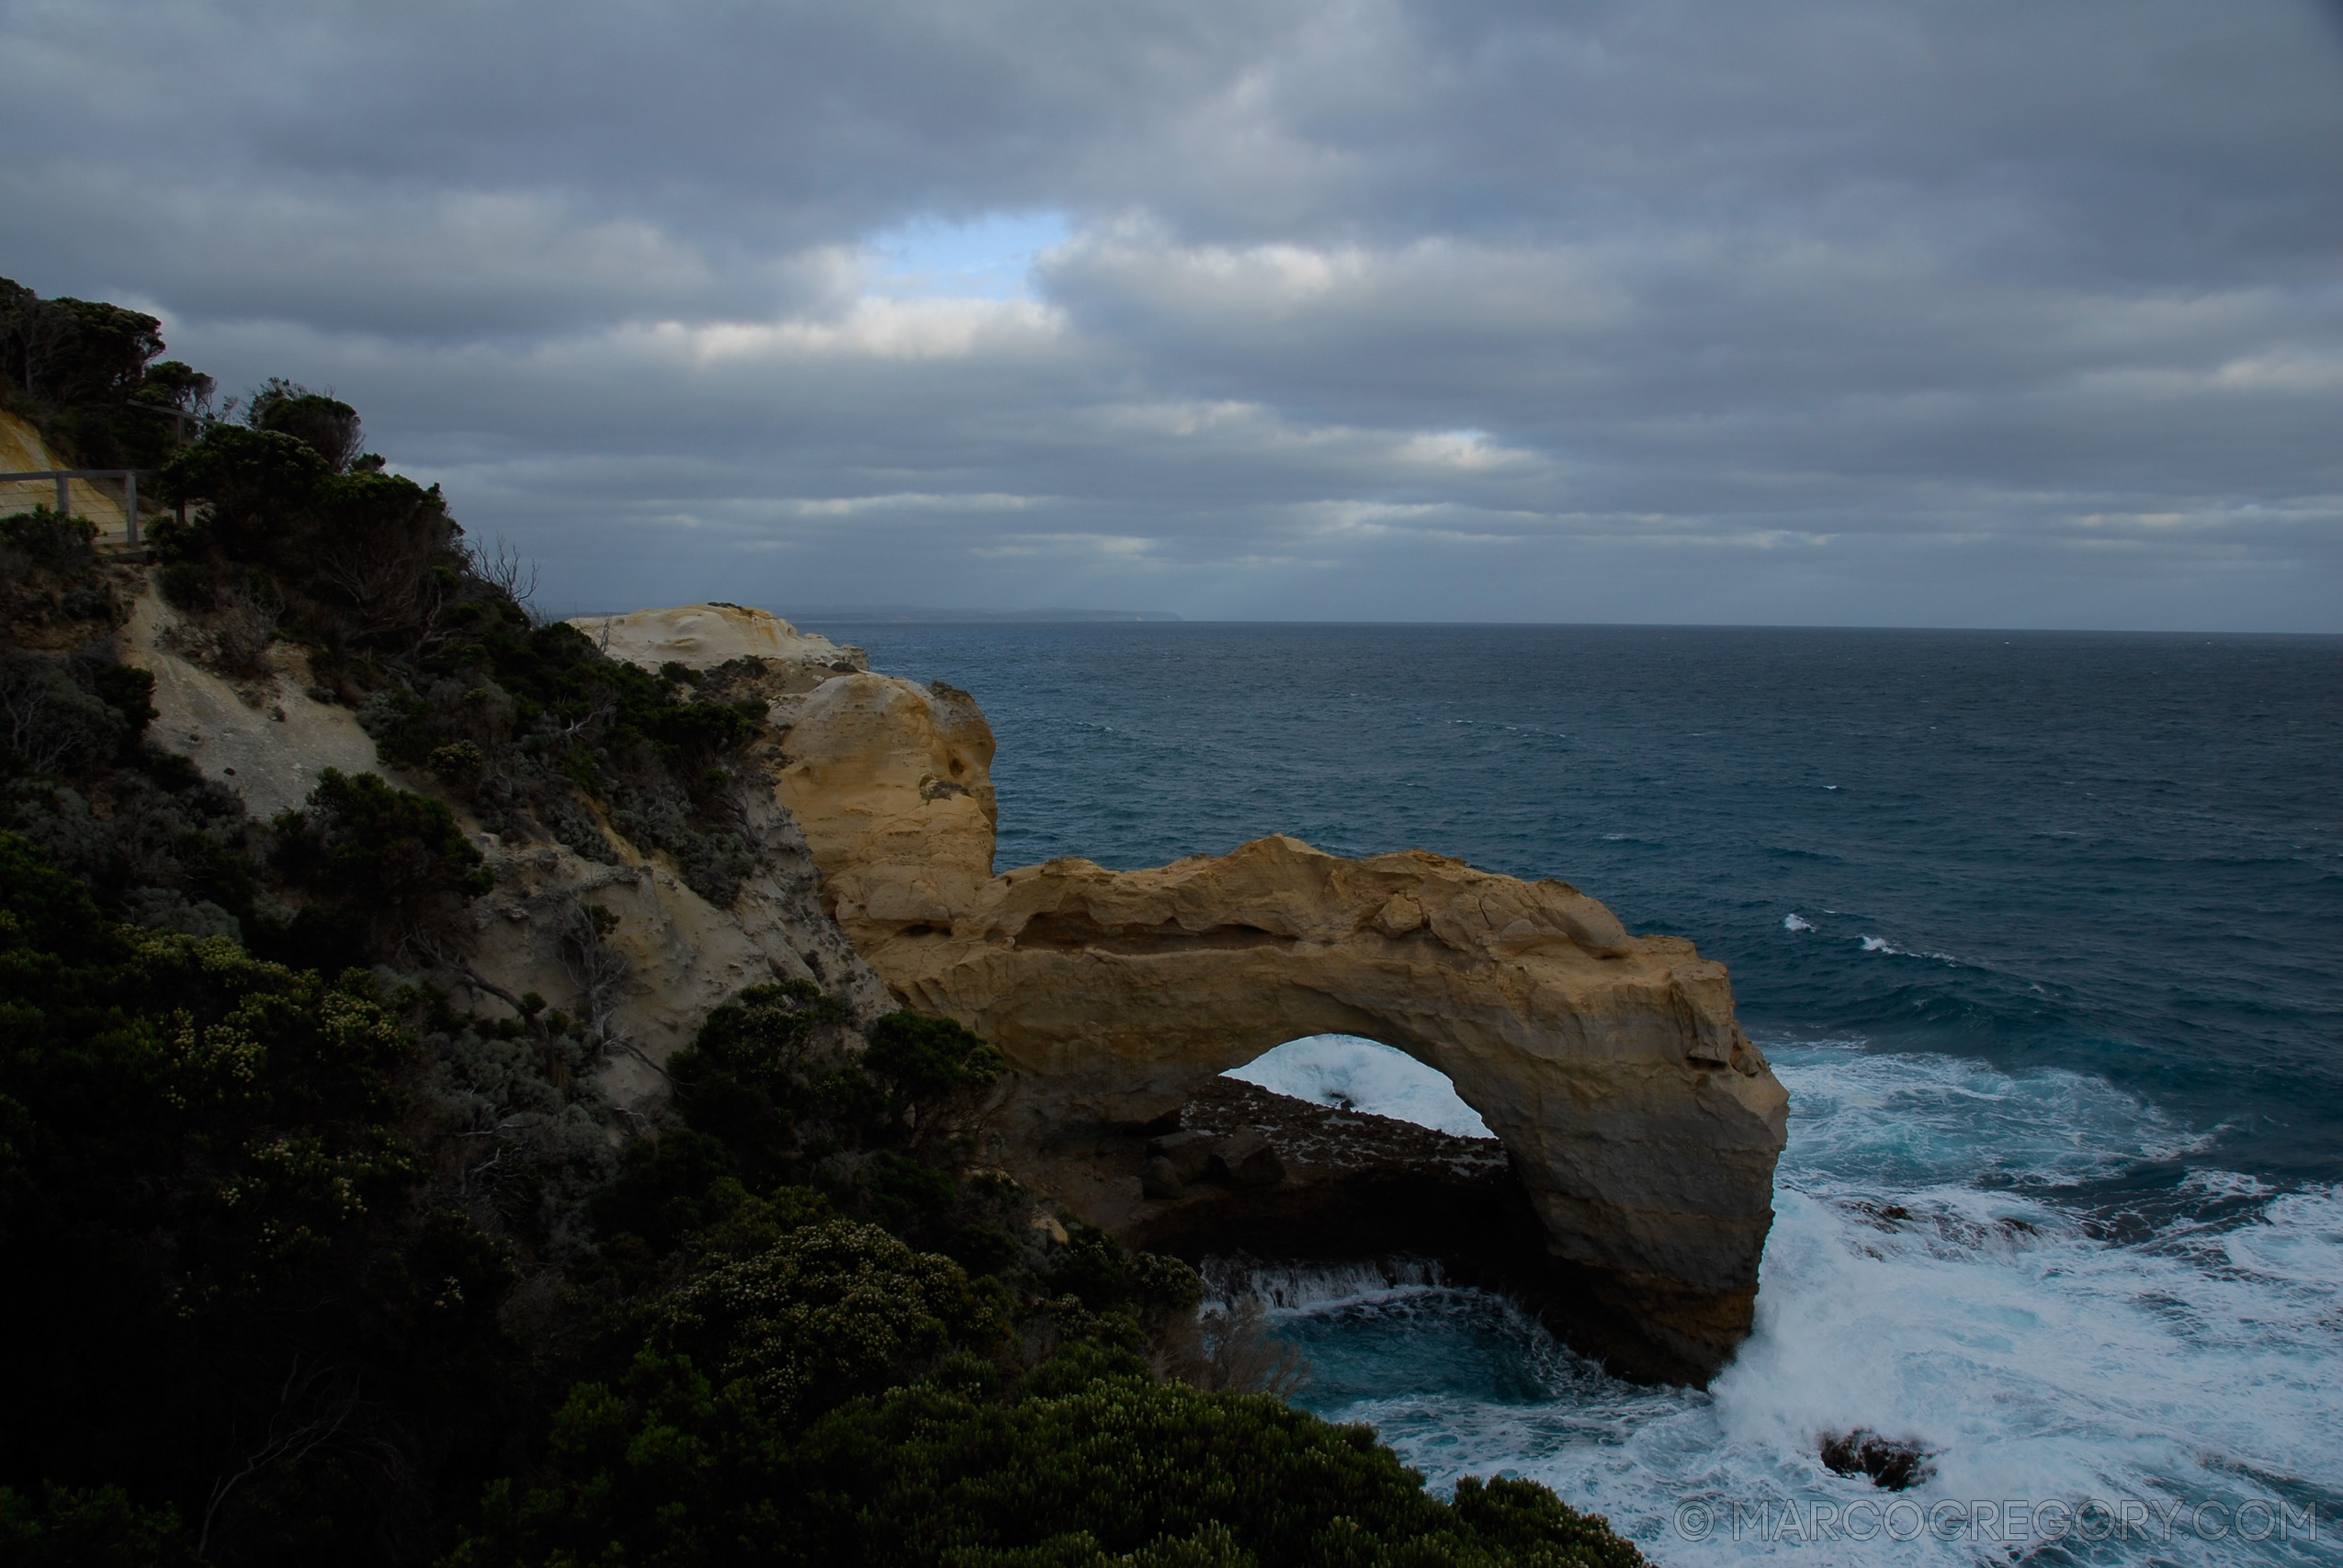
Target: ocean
x=2043 y=932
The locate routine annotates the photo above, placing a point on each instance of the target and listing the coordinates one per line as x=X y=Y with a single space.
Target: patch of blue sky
x=989 y=257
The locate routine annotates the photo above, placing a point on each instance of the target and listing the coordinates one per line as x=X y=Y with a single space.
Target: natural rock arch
x=1642 y=1122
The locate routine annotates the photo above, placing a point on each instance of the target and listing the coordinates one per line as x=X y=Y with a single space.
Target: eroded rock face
x=891 y=782
x=672 y=955
x=265 y=739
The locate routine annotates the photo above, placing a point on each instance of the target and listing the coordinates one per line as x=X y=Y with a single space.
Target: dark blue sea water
x=2044 y=933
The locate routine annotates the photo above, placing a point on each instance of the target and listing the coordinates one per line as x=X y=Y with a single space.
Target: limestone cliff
x=1641 y=1125
x=672 y=955
x=891 y=782
x=1639 y=1119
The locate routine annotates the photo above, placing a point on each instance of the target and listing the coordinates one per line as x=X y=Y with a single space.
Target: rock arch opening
x=1353 y=1073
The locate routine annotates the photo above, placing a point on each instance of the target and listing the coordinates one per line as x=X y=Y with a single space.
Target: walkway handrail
x=129 y=477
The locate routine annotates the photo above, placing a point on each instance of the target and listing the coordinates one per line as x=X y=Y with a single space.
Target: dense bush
x=215 y=1262
x=668 y=1465
x=96 y=1527
x=49 y=722
x=828 y=1312
x=770 y=1098
x=73 y=366
x=386 y=860
x=325 y=425
x=49 y=538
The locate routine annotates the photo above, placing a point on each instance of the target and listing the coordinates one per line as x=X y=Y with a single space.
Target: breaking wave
x=2017 y=1271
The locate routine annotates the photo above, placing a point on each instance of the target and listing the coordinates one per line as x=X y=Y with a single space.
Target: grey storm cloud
x=1817 y=311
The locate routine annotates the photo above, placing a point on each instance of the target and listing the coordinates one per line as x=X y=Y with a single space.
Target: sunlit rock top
x=700 y=637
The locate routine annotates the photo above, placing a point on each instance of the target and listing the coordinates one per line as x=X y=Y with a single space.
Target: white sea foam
x=1927 y=1278
x=1793 y=923
x=1881 y=945
x=1298 y=1287
x=1342 y=1069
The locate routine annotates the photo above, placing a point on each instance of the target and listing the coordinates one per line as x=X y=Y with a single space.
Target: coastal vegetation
x=302 y=1256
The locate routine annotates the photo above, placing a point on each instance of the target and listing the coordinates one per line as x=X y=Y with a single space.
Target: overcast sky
x=1815 y=311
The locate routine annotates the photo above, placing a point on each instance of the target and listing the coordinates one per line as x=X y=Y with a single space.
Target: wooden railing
x=129 y=481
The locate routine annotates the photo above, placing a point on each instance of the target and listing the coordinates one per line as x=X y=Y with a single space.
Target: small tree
x=324 y=423
x=394 y=861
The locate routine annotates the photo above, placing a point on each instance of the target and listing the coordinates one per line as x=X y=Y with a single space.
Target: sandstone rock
x=1639 y=1119
x=891 y=784
x=700 y=637
x=890 y=781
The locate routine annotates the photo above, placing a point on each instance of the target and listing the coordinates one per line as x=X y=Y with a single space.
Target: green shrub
x=325 y=425
x=759 y=1079
x=208 y=1231
x=1099 y=1269
x=1124 y=1464
x=922 y=1057
x=51 y=539
x=99 y=1527
x=675 y=1467
x=70 y=352
x=259 y=485
x=49 y=725
x=390 y=857
x=827 y=1312
x=128 y=690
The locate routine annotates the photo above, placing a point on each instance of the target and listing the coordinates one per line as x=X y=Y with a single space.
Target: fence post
x=64 y=498
x=131 y=506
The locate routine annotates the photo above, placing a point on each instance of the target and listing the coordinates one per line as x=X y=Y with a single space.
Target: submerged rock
x=1894 y=1464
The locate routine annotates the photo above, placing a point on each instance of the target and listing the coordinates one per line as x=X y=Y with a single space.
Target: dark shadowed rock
x=1892 y=1464
x=1161 y=1179
x=1244 y=1159
x=1189 y=1152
